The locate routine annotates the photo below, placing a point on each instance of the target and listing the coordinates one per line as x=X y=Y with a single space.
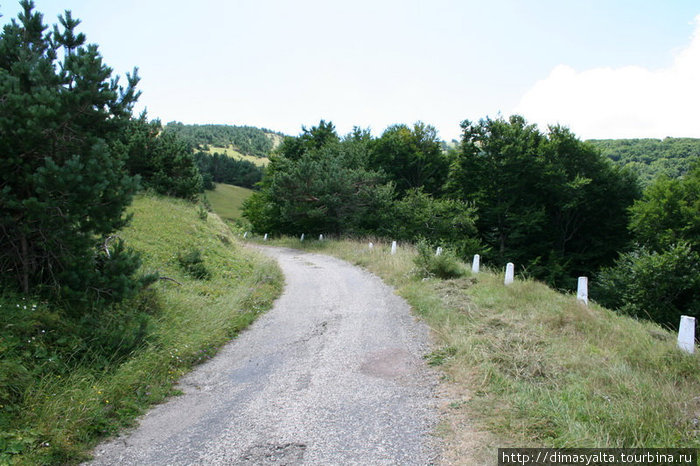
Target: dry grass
x=527 y=366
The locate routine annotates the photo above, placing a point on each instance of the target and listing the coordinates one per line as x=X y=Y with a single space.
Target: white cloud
x=627 y=102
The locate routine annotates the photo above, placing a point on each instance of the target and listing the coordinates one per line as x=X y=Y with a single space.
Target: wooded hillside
x=649 y=158
x=248 y=140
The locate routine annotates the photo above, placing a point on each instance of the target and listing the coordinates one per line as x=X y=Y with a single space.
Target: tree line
x=546 y=201
x=220 y=168
x=650 y=158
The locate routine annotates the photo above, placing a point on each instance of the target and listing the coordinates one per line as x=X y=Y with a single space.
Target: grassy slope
x=226 y=200
x=233 y=153
x=527 y=366
x=66 y=415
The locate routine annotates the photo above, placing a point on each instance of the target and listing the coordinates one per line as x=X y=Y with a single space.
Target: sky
x=604 y=68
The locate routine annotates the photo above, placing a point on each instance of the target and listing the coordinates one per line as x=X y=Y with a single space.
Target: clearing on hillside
x=231 y=151
x=226 y=200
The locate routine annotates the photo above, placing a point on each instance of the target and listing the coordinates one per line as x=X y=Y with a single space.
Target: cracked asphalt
x=332 y=375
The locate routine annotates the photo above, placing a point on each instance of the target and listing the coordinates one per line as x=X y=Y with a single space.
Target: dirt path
x=333 y=374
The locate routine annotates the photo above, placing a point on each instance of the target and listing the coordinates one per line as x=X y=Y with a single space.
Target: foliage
x=63 y=188
x=247 y=139
x=317 y=183
x=440 y=221
x=650 y=158
x=660 y=279
x=193 y=264
x=428 y=264
x=669 y=212
x=412 y=158
x=660 y=286
x=219 y=168
x=549 y=203
x=67 y=380
x=164 y=161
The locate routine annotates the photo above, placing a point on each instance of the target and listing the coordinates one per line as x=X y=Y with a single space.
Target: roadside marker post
x=510 y=273
x=475 y=263
x=686 y=334
x=582 y=290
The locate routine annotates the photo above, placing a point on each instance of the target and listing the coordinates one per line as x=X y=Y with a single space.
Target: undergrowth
x=67 y=379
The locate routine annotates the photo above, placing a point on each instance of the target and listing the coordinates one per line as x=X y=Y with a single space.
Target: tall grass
x=63 y=413
x=527 y=366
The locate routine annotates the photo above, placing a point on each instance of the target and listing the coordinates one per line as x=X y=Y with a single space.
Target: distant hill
x=649 y=158
x=247 y=140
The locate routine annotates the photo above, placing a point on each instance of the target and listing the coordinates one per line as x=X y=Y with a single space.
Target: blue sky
x=606 y=69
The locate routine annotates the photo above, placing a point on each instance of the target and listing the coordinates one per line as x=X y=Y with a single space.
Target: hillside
x=525 y=365
x=66 y=380
x=234 y=153
x=649 y=158
x=244 y=140
x=226 y=200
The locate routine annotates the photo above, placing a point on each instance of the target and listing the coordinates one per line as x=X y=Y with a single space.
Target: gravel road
x=332 y=375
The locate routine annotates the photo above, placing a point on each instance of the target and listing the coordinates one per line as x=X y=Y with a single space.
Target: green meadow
x=227 y=200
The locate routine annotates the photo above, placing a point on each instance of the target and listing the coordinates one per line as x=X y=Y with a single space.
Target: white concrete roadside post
x=245 y=235
x=582 y=290
x=320 y=237
x=371 y=246
x=265 y=238
x=302 y=237
x=438 y=251
x=686 y=334
x=510 y=273
x=393 y=247
x=475 y=263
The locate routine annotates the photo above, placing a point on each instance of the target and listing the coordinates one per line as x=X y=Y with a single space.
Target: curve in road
x=333 y=374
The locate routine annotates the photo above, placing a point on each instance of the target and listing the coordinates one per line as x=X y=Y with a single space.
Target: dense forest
x=246 y=139
x=549 y=202
x=648 y=158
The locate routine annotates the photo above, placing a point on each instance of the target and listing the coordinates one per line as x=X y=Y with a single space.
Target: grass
x=58 y=414
x=226 y=200
x=527 y=366
x=230 y=151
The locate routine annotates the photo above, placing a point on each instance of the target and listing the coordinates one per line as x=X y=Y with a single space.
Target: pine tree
x=63 y=187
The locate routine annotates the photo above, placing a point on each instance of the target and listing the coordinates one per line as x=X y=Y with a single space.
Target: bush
x=660 y=286
x=443 y=266
x=193 y=264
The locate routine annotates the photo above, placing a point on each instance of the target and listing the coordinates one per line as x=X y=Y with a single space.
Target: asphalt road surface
x=332 y=375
